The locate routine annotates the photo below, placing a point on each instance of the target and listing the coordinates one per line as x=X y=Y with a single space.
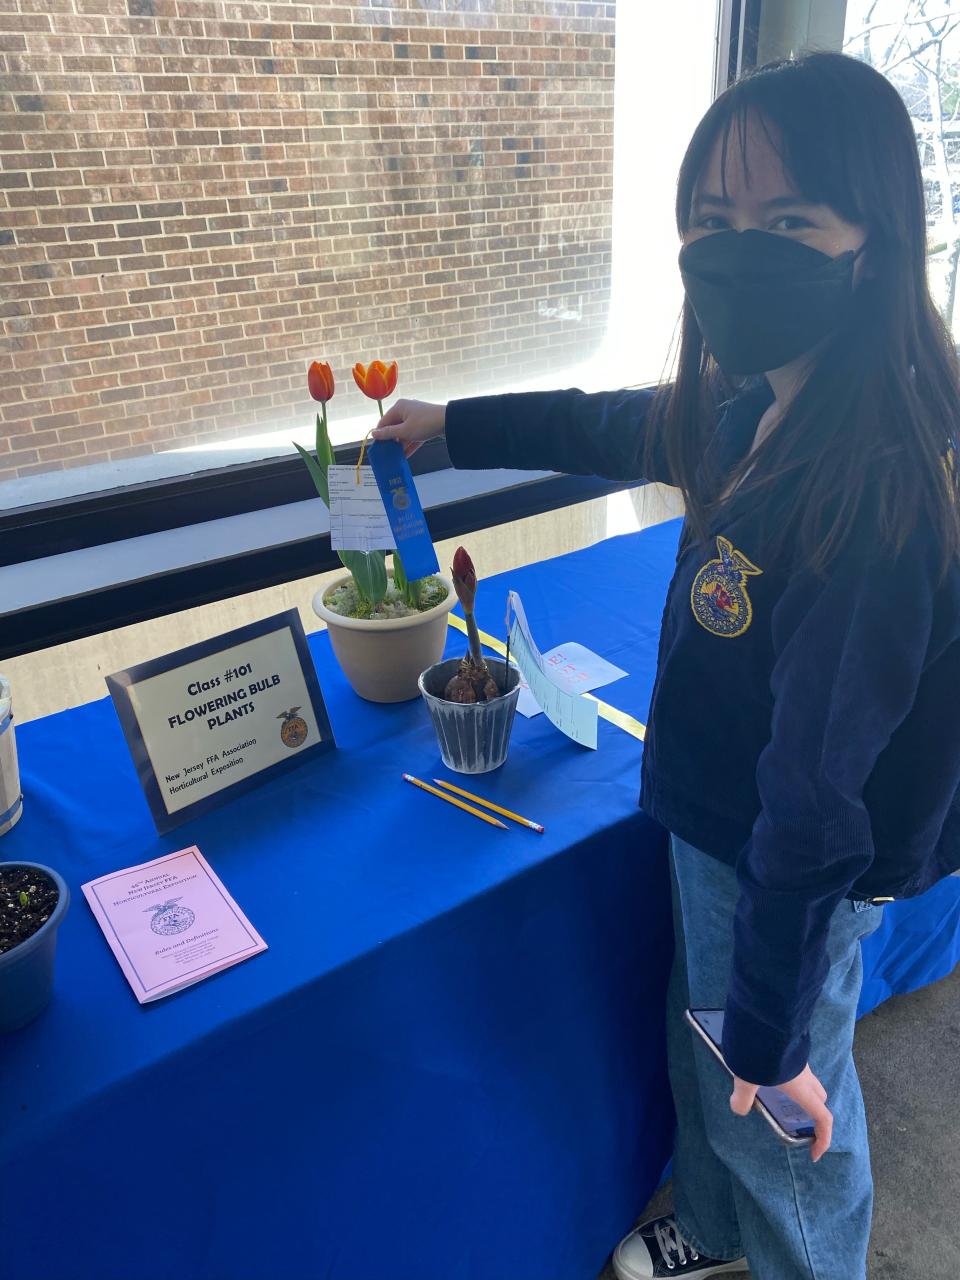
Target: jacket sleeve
x=849 y=653
x=602 y=433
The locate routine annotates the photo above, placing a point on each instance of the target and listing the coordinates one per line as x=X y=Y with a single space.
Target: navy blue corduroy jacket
x=803 y=729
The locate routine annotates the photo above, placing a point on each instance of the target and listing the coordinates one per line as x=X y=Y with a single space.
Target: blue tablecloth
x=449 y=1064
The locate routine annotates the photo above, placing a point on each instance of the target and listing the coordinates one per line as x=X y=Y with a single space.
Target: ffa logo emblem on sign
x=168 y=918
x=401 y=499
x=293 y=731
x=719 y=597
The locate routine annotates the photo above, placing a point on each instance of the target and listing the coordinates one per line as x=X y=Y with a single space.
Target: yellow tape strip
x=620 y=718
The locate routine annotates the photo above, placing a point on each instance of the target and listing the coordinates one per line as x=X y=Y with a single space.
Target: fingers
x=823 y=1129
x=743 y=1096
x=812 y=1096
x=412 y=422
x=396 y=431
x=394 y=418
x=808 y=1092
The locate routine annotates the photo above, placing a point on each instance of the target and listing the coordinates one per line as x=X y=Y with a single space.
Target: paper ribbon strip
x=620 y=718
x=363 y=452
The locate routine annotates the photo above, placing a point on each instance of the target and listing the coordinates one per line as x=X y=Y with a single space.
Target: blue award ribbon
x=404 y=512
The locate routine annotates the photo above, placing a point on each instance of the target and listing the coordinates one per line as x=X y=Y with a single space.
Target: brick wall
x=199 y=196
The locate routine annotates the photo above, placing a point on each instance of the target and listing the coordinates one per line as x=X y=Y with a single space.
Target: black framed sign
x=219 y=717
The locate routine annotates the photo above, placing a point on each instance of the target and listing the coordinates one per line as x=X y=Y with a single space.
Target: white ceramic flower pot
x=383 y=659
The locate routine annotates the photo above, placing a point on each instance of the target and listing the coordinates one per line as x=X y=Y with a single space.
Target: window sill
x=64 y=597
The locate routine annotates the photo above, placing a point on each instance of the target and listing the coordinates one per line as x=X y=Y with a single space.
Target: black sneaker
x=657 y=1249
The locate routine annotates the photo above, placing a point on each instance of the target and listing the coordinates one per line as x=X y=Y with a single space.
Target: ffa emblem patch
x=719 y=597
x=168 y=918
x=293 y=731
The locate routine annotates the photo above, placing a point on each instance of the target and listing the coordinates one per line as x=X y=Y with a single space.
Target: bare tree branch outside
x=916 y=45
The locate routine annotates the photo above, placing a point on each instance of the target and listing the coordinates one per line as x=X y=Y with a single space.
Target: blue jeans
x=737 y=1188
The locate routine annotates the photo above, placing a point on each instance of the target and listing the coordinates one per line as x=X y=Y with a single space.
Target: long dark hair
x=868 y=435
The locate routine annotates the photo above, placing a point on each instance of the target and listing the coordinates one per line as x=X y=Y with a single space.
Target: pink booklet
x=171 y=923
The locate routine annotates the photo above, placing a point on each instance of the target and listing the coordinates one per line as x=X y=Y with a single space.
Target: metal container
x=473 y=736
x=11 y=801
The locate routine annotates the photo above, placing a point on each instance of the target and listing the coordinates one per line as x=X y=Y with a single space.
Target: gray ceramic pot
x=473 y=736
x=26 y=972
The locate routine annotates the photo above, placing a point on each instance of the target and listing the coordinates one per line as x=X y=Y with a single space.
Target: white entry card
x=358 y=521
x=573 y=667
x=572 y=713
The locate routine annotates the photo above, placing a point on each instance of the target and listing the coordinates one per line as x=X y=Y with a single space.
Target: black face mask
x=762 y=300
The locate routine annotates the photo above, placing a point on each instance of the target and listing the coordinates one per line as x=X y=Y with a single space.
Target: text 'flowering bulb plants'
x=371 y=594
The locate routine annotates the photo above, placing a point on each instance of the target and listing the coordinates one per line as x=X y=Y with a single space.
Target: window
x=198 y=199
x=920 y=54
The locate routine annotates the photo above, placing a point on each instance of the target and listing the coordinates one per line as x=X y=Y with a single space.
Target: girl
x=803 y=746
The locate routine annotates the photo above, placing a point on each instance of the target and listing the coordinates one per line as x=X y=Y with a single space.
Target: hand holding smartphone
x=789 y=1121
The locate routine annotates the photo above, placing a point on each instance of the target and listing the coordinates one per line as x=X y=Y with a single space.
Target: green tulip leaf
x=367 y=568
x=369 y=571
x=317 y=473
x=410 y=591
x=324 y=447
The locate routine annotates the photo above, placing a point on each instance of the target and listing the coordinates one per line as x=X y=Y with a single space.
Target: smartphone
x=788 y=1120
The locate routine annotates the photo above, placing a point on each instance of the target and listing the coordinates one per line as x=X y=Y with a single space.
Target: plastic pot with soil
x=33 y=902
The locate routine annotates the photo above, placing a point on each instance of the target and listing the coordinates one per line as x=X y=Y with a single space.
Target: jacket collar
x=736 y=427
x=738 y=423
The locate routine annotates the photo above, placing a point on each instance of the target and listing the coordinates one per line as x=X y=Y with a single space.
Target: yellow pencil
x=488 y=804
x=468 y=808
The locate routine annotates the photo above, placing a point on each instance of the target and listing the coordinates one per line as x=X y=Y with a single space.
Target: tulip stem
x=380 y=407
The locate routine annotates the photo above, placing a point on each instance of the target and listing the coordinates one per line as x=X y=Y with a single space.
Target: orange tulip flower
x=320 y=381
x=377 y=380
